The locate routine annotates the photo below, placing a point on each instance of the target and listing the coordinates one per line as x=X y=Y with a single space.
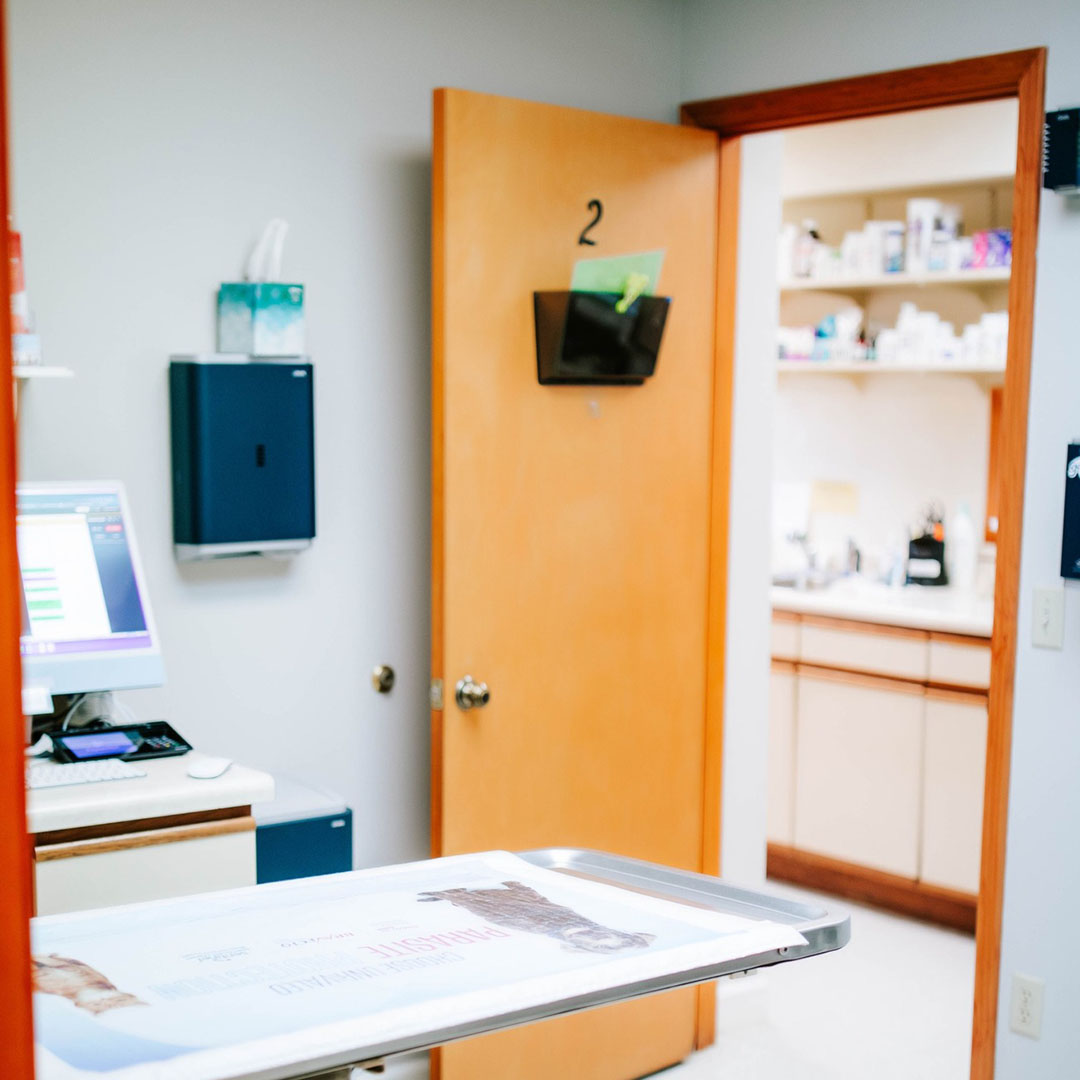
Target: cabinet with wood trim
x=857 y=766
x=163 y=834
x=877 y=749
x=954 y=764
x=149 y=865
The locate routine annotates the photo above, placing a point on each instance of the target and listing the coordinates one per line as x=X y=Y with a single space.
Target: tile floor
x=895 y=1004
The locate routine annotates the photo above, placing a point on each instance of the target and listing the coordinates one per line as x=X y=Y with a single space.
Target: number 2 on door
x=597 y=207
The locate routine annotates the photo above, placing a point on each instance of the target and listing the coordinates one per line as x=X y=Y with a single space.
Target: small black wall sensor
x=1061 y=151
x=1070 y=537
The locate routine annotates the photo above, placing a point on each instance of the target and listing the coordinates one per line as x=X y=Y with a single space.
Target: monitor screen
x=86 y=622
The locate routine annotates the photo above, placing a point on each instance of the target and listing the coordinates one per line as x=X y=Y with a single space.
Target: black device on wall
x=243 y=455
x=1061 y=151
x=581 y=337
x=1070 y=536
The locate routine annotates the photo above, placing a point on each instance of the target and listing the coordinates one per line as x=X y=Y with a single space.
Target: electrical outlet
x=1048 y=617
x=1026 y=1006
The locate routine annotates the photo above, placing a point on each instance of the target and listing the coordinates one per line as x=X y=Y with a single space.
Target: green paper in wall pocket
x=612 y=274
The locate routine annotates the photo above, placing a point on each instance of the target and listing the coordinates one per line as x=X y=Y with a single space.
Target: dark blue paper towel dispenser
x=243 y=455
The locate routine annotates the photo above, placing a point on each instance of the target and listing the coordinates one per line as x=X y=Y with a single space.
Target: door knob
x=471 y=695
x=382 y=678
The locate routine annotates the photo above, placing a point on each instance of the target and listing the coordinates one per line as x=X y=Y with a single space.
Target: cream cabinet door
x=125 y=870
x=960 y=663
x=783 y=685
x=859 y=762
x=954 y=765
x=874 y=649
x=784 y=636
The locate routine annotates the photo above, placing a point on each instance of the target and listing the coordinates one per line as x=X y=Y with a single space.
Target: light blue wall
x=151 y=142
x=737 y=47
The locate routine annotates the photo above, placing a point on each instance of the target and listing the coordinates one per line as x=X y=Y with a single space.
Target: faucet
x=803 y=540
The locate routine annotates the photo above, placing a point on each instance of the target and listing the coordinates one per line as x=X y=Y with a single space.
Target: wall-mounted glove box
x=584 y=337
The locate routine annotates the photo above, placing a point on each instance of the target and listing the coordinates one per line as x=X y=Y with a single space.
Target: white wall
x=745 y=761
x=901 y=440
x=952 y=144
x=733 y=47
x=150 y=144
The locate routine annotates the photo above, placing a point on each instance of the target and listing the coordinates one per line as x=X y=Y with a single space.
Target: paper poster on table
x=224 y=984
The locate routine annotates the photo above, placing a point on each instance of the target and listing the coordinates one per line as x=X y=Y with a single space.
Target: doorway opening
x=874 y=436
x=1018 y=76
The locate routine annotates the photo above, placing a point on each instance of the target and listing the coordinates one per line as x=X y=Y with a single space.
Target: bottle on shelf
x=25 y=344
x=963 y=549
x=805 y=245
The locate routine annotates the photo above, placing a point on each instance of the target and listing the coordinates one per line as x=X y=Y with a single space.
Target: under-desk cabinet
x=74 y=872
x=876 y=777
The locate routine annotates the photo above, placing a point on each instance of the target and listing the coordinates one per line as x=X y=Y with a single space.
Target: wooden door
x=570 y=529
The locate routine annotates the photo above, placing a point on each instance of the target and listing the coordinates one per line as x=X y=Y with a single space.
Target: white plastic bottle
x=805 y=244
x=964 y=553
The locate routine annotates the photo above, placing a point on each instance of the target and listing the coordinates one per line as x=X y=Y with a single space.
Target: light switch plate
x=1048 y=617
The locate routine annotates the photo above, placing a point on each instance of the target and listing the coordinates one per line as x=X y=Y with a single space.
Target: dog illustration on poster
x=517 y=907
x=82 y=985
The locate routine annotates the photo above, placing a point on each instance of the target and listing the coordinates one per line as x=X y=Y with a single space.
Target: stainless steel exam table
x=824 y=930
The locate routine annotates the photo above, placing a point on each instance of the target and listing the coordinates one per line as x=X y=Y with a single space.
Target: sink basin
x=802 y=582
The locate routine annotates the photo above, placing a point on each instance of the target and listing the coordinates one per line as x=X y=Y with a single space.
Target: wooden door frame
x=1020 y=75
x=16 y=1026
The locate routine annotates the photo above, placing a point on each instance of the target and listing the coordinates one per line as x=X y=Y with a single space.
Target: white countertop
x=916 y=606
x=165 y=790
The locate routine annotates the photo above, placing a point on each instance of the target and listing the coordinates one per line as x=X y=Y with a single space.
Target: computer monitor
x=86 y=620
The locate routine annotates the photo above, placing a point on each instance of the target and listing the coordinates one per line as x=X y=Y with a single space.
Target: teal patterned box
x=260 y=319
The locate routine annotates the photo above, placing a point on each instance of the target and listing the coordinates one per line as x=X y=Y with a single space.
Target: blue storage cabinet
x=304 y=831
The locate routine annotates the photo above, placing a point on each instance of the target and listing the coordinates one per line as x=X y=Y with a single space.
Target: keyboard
x=49 y=774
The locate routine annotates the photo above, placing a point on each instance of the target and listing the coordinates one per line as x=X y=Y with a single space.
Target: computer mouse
x=208 y=768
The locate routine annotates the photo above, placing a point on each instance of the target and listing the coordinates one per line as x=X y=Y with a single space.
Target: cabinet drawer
x=879 y=650
x=959 y=663
x=784 y=638
x=858 y=760
x=143 y=866
x=954 y=765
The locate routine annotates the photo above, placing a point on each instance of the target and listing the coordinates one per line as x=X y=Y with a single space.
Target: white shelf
x=900 y=280
x=872 y=367
x=911 y=187
x=41 y=371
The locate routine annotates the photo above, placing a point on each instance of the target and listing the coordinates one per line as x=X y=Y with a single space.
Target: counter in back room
x=915 y=606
